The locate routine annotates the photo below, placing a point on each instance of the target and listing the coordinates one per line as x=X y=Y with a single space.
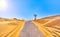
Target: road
x=30 y=30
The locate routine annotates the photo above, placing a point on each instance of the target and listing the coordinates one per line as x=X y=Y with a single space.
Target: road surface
x=30 y=30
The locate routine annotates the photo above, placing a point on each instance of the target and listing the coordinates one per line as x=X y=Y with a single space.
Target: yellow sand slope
x=49 y=26
x=11 y=28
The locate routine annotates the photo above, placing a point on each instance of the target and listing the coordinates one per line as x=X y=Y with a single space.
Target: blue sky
x=25 y=9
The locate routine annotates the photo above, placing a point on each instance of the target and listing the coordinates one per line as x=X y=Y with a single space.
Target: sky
x=25 y=9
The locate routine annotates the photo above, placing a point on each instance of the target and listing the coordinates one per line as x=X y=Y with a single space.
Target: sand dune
x=10 y=27
x=50 y=26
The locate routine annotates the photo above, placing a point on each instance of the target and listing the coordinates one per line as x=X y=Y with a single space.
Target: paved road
x=30 y=30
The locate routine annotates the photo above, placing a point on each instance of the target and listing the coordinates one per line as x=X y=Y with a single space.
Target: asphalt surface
x=30 y=30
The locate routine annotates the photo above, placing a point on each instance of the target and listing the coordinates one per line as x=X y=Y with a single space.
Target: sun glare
x=3 y=4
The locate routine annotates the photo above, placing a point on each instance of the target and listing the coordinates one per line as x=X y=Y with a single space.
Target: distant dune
x=9 y=19
x=46 y=19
